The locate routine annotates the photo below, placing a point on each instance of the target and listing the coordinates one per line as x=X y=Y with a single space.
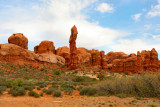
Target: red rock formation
x=139 y=61
x=96 y=58
x=73 y=48
x=154 y=60
x=84 y=56
x=11 y=50
x=36 y=49
x=65 y=53
x=103 y=61
x=146 y=61
x=150 y=60
x=19 y=39
x=45 y=47
x=115 y=55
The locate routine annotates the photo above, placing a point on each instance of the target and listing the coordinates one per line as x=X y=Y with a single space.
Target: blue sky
x=109 y=25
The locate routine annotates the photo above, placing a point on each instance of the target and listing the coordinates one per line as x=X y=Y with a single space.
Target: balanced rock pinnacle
x=73 y=48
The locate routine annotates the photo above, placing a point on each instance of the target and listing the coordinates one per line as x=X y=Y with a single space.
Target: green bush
x=33 y=93
x=6 y=83
x=68 y=85
x=88 y=91
x=147 y=85
x=17 y=91
x=57 y=93
x=2 y=88
x=41 y=84
x=28 y=87
x=56 y=72
x=79 y=88
x=101 y=76
x=38 y=88
x=44 y=90
x=50 y=90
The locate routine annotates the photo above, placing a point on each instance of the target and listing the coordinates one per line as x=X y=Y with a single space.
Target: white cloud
x=136 y=17
x=132 y=46
x=53 y=21
x=104 y=7
x=144 y=10
x=155 y=10
x=156 y=37
x=148 y=27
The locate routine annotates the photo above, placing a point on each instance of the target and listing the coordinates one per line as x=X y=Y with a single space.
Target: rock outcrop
x=65 y=53
x=103 y=61
x=45 y=47
x=19 y=39
x=96 y=58
x=84 y=56
x=15 y=50
x=115 y=55
x=144 y=61
x=73 y=48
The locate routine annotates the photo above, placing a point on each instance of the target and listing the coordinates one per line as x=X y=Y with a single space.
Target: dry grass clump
x=147 y=85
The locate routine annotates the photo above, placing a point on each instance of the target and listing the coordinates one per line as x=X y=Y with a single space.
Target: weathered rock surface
x=65 y=53
x=19 y=39
x=73 y=48
x=144 y=61
x=45 y=47
x=103 y=61
x=115 y=55
x=84 y=56
x=14 y=50
x=96 y=58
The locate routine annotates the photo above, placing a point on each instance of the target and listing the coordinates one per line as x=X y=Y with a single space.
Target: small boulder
x=19 y=39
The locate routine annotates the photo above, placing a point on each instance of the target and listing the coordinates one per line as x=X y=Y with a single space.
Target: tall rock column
x=73 y=48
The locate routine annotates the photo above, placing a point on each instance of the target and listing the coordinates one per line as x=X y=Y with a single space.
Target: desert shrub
x=2 y=88
x=56 y=72
x=44 y=90
x=147 y=85
x=6 y=83
x=55 y=85
x=101 y=76
x=78 y=79
x=41 y=84
x=33 y=93
x=88 y=91
x=41 y=94
x=57 y=93
x=28 y=87
x=19 y=83
x=79 y=88
x=68 y=85
x=17 y=91
x=38 y=88
x=75 y=72
x=42 y=69
x=50 y=90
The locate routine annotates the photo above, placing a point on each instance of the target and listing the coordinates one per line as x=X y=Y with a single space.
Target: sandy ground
x=75 y=101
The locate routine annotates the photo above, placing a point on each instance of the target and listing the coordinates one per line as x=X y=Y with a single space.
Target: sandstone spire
x=73 y=48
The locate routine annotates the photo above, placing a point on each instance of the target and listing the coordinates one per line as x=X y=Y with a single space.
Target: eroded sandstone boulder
x=45 y=47
x=65 y=53
x=19 y=39
x=84 y=56
x=15 y=50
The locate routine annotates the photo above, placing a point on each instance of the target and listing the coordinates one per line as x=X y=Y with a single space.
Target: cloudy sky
x=109 y=25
